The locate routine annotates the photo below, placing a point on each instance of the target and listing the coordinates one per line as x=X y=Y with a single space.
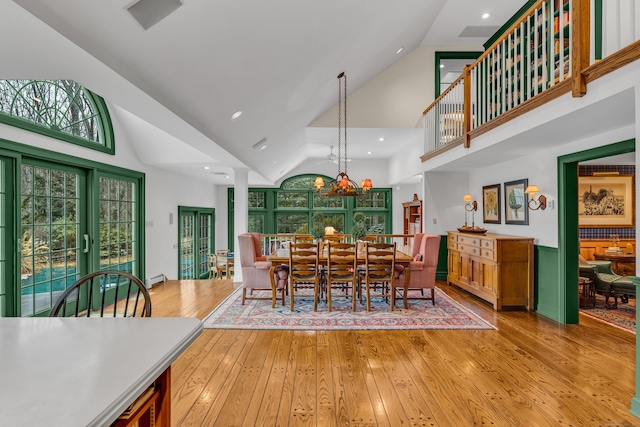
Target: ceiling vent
x=260 y=145
x=479 y=31
x=149 y=12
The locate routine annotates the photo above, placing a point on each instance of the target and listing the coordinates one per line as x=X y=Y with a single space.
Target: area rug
x=623 y=317
x=255 y=314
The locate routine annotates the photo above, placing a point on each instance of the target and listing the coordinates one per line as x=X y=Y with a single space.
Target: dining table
x=281 y=256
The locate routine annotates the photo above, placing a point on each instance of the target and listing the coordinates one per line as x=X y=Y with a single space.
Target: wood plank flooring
x=530 y=372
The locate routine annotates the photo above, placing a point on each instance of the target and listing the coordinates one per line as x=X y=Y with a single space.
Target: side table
x=586 y=292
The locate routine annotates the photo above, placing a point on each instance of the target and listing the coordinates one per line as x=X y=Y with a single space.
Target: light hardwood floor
x=530 y=372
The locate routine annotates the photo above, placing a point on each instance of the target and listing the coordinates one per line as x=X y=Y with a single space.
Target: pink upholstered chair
x=423 y=267
x=258 y=247
x=256 y=272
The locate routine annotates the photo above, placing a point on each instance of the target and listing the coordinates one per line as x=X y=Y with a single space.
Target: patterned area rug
x=623 y=317
x=446 y=314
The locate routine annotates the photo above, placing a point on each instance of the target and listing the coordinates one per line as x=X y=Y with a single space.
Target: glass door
x=119 y=228
x=195 y=231
x=53 y=233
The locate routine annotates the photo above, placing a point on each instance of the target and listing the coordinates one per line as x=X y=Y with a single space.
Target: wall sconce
x=534 y=204
x=470 y=206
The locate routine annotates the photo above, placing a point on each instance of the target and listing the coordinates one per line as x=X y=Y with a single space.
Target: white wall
x=164 y=192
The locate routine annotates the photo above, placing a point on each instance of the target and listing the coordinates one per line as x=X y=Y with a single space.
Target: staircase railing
x=545 y=53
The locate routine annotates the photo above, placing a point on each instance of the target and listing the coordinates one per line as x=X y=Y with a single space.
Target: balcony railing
x=551 y=50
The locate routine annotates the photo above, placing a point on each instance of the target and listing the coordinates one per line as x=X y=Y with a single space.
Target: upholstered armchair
x=423 y=267
x=257 y=247
x=607 y=283
x=256 y=272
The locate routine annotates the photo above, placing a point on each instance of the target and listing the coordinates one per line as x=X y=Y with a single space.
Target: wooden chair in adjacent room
x=213 y=270
x=341 y=271
x=304 y=272
x=223 y=264
x=379 y=275
x=106 y=293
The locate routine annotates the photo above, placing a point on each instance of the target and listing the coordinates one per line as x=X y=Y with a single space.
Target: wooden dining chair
x=223 y=264
x=213 y=271
x=379 y=275
x=304 y=272
x=106 y=293
x=342 y=272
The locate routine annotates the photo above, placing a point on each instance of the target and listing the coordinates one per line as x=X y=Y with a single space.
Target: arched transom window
x=60 y=109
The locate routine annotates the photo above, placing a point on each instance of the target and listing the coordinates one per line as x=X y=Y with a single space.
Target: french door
x=195 y=231
x=54 y=239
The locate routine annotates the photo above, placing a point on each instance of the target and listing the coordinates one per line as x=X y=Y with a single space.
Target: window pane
x=292 y=224
x=298 y=200
x=325 y=202
x=257 y=200
x=256 y=223
x=372 y=199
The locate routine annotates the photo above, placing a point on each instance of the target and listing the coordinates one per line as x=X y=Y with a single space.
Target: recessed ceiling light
x=399 y=50
x=226 y=176
x=441 y=65
x=206 y=168
x=381 y=139
x=485 y=15
x=236 y=114
x=275 y=161
x=368 y=152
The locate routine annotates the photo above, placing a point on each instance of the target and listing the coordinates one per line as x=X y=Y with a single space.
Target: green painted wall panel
x=546 y=285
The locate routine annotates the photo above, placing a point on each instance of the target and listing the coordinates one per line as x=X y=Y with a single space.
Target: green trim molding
x=450 y=55
x=568 y=237
x=545 y=272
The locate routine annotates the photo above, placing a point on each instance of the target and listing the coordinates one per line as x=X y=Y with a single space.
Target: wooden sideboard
x=495 y=267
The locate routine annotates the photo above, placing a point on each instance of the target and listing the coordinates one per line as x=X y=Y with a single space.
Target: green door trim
x=568 y=234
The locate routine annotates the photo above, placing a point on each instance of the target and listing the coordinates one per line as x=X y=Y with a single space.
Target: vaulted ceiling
x=174 y=86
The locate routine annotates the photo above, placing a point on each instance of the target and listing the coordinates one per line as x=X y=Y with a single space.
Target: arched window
x=60 y=109
x=296 y=206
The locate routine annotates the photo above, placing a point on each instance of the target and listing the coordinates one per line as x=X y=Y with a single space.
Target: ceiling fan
x=331 y=158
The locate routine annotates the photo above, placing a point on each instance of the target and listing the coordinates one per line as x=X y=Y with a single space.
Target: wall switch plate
x=435 y=220
x=149 y=223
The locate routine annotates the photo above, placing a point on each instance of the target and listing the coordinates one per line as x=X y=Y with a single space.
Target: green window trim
x=97 y=106
x=17 y=151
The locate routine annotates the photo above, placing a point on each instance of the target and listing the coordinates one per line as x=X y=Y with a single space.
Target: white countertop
x=83 y=372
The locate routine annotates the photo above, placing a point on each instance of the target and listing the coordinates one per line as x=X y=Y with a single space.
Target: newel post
x=580 y=32
x=467 y=106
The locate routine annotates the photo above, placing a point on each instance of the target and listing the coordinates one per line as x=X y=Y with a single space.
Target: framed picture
x=516 y=209
x=491 y=204
x=606 y=201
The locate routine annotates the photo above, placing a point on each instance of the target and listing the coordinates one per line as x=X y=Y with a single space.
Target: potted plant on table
x=317 y=232
x=358 y=231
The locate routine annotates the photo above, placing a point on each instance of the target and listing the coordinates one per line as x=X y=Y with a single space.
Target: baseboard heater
x=155 y=279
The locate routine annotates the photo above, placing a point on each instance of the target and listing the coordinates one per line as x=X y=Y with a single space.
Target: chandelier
x=342 y=185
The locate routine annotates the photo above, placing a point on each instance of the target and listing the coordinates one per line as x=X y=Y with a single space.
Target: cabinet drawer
x=487 y=244
x=486 y=253
x=469 y=240
x=452 y=245
x=469 y=249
